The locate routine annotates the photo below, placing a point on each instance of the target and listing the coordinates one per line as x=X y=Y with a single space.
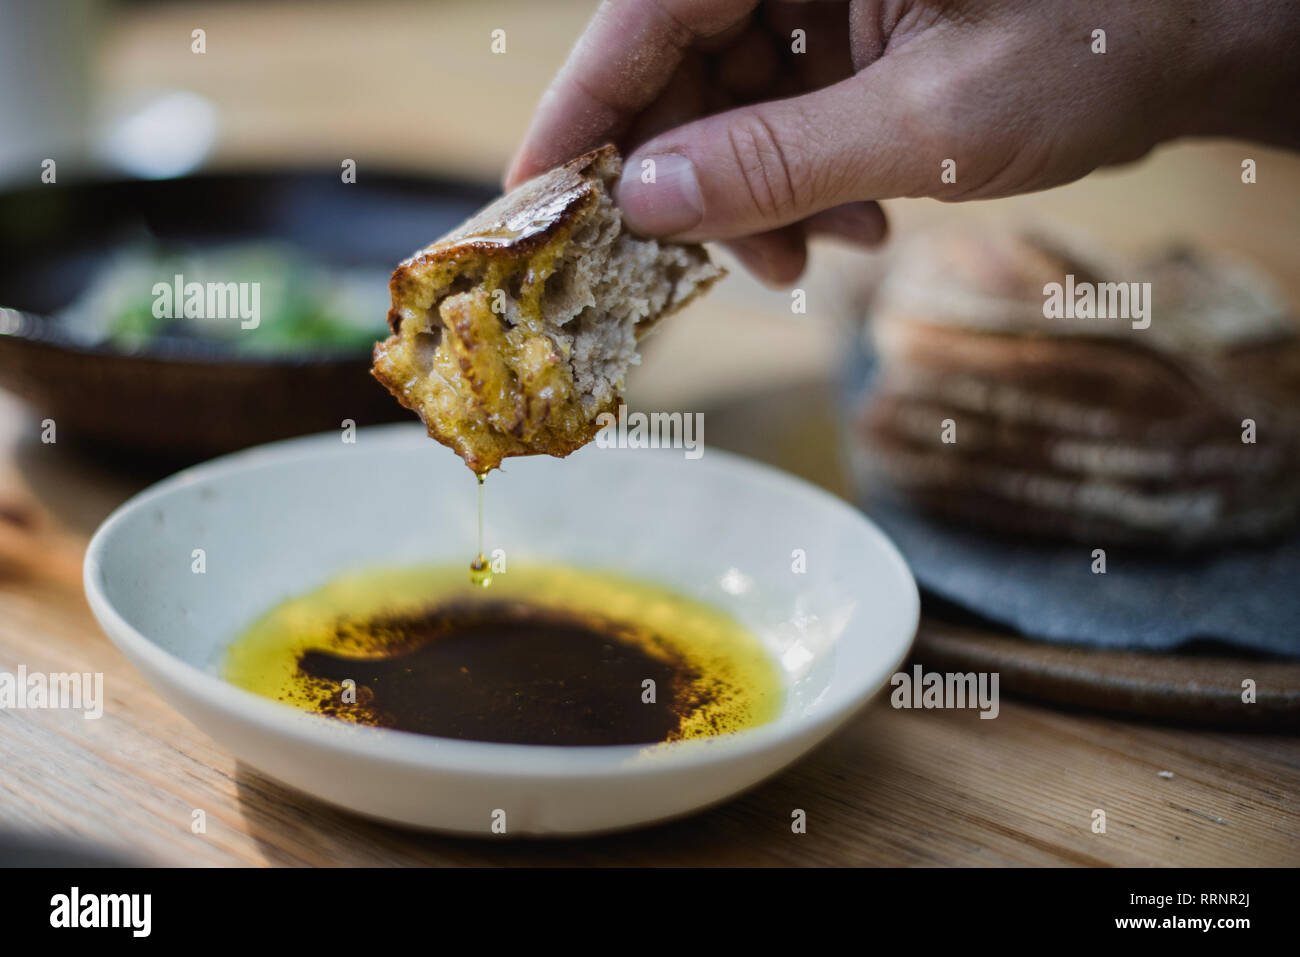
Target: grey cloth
x=1246 y=597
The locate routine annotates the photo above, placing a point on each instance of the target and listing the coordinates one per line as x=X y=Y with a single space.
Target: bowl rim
x=481 y=758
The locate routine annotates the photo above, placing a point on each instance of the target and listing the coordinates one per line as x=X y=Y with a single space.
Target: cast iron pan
x=186 y=399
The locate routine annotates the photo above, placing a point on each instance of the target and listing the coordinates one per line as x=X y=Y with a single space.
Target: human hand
x=761 y=146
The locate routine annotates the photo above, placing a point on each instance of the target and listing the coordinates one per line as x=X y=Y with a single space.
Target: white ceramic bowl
x=281 y=519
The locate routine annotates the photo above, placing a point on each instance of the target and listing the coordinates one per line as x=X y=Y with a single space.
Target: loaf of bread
x=513 y=333
x=1178 y=433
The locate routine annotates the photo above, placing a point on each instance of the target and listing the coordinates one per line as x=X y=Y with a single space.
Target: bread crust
x=511 y=227
x=493 y=382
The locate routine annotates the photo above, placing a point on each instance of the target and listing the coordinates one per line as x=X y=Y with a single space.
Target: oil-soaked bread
x=514 y=332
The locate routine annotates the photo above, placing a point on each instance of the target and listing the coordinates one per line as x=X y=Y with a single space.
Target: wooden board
x=1203 y=689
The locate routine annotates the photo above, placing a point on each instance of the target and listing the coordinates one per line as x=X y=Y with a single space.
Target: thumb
x=764 y=166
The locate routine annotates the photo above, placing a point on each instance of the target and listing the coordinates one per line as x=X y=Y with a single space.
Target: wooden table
x=895 y=787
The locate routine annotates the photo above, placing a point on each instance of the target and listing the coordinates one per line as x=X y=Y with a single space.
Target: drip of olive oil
x=551 y=655
x=480 y=572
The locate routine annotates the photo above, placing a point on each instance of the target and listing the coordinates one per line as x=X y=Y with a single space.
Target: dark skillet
x=191 y=398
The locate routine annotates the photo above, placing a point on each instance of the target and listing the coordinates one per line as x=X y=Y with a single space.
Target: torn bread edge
x=513 y=333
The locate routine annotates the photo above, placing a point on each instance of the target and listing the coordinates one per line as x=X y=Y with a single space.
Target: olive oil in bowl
x=548 y=655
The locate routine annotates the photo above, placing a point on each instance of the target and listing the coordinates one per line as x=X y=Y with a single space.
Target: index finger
x=621 y=63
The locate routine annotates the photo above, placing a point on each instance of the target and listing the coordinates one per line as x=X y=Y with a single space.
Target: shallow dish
x=186 y=399
x=278 y=520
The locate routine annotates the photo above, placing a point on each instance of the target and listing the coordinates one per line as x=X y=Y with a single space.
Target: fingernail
x=660 y=195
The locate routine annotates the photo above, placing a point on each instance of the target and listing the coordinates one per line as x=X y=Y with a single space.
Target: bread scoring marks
x=653 y=430
x=1098 y=300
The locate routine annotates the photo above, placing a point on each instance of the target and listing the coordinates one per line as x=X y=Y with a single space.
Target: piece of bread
x=1028 y=480
x=513 y=333
x=1155 y=460
x=1084 y=428
x=1010 y=502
